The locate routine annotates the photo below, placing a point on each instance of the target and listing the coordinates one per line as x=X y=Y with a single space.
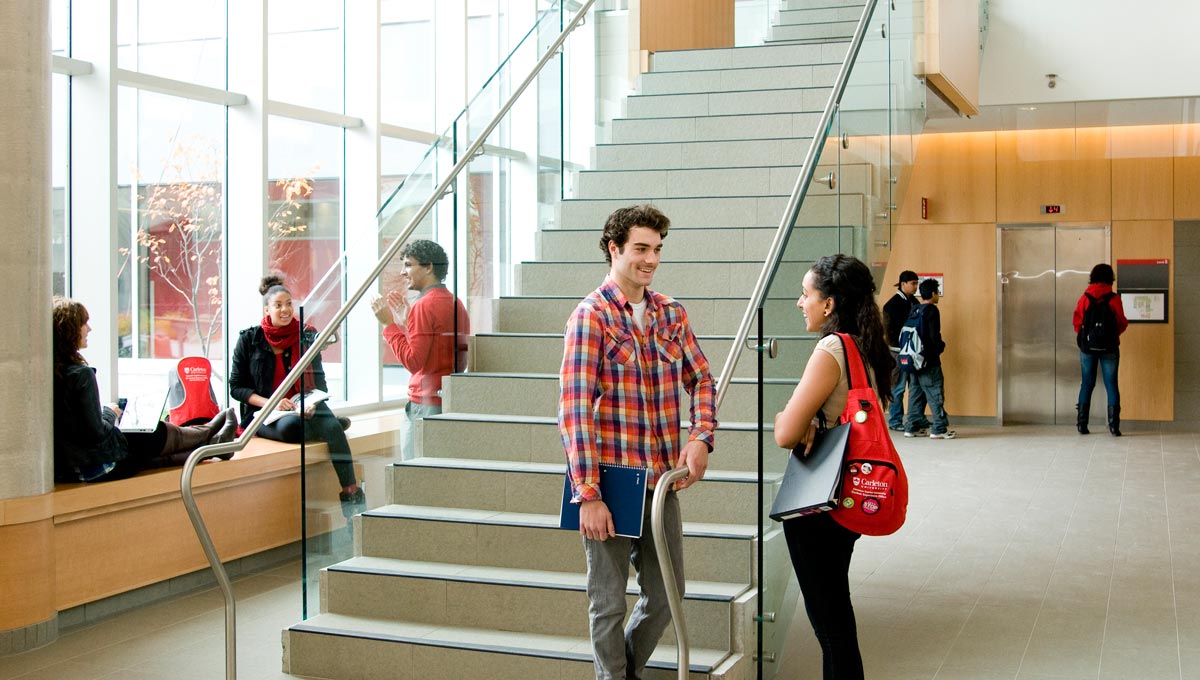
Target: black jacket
x=930 y=329
x=895 y=313
x=85 y=434
x=253 y=368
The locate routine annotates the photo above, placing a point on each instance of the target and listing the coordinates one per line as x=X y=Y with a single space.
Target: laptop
x=142 y=414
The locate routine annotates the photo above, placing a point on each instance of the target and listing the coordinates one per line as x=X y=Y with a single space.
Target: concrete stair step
x=714 y=128
x=724 y=496
x=341 y=646
x=712 y=316
x=738 y=79
x=494 y=394
x=696 y=279
x=834 y=30
x=511 y=441
x=744 y=211
x=819 y=15
x=749 y=57
x=791 y=5
x=695 y=245
x=714 y=552
x=534 y=353
x=708 y=182
x=793 y=100
x=525 y=601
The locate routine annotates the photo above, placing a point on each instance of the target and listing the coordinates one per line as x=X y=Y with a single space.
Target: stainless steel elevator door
x=1043 y=271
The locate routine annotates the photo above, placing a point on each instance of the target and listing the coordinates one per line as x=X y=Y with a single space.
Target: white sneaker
x=918 y=433
x=948 y=434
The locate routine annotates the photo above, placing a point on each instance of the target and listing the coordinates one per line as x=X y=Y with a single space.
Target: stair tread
x=468 y=515
x=384 y=566
x=502 y=641
x=713 y=474
x=553 y=420
x=554 y=376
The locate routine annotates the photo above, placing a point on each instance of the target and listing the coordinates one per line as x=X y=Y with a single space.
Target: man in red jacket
x=428 y=335
x=1099 y=321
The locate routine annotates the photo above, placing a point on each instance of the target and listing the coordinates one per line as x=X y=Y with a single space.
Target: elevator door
x=1043 y=271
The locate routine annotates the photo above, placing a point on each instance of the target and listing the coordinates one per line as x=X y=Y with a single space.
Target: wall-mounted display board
x=1144 y=286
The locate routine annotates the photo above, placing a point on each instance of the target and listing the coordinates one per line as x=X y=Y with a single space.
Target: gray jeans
x=414 y=412
x=622 y=654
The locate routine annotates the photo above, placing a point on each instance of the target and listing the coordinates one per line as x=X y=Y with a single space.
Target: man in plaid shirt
x=628 y=352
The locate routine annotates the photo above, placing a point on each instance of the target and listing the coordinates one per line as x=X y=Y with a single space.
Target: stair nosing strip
x=459 y=578
x=713 y=474
x=478 y=647
x=493 y=522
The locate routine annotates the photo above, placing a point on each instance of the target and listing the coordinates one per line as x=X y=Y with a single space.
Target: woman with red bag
x=838 y=296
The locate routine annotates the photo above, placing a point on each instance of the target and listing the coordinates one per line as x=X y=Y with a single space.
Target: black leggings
x=145 y=452
x=323 y=426
x=821 y=550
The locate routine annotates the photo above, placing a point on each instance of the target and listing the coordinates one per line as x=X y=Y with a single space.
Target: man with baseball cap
x=895 y=313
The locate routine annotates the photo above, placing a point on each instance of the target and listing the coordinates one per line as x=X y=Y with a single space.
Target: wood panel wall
x=965 y=254
x=681 y=24
x=1147 y=373
x=1138 y=179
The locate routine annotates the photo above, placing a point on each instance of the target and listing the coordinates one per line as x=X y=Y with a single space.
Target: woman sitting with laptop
x=88 y=445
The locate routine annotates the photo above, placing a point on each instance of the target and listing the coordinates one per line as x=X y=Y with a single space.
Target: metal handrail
x=212 y=450
x=770 y=265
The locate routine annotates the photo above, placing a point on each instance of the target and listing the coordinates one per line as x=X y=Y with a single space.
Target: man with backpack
x=921 y=348
x=895 y=313
x=1099 y=321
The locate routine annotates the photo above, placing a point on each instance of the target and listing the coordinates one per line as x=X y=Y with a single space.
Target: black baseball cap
x=907 y=275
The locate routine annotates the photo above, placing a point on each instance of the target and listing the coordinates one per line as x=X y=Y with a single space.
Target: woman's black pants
x=323 y=426
x=820 y=549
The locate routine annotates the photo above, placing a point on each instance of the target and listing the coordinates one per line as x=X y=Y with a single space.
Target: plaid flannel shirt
x=620 y=388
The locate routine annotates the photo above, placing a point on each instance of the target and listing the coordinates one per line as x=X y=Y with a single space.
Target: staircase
x=465 y=574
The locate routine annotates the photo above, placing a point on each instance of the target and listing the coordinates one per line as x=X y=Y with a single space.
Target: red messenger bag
x=874 y=492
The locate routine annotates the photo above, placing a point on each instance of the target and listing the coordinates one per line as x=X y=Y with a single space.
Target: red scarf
x=285 y=338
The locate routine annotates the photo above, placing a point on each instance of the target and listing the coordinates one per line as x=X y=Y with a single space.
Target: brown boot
x=187 y=439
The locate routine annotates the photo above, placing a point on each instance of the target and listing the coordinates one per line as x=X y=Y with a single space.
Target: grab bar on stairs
x=210 y=451
x=770 y=264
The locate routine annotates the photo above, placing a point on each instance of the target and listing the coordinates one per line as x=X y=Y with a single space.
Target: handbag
x=874 y=485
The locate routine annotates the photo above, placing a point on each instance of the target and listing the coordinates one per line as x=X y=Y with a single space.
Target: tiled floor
x=1029 y=553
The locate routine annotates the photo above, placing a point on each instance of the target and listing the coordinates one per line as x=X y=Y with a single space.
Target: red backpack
x=874 y=494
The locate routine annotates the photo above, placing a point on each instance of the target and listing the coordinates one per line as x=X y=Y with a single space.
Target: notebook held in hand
x=623 y=490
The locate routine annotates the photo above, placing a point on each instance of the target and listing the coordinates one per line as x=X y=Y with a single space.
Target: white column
x=26 y=454
x=523 y=136
x=94 y=256
x=246 y=160
x=361 y=347
x=450 y=85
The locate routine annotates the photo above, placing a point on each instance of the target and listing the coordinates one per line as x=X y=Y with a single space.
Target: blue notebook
x=623 y=489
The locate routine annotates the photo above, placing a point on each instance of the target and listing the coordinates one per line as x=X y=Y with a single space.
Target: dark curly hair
x=622 y=220
x=428 y=252
x=270 y=285
x=69 y=317
x=849 y=282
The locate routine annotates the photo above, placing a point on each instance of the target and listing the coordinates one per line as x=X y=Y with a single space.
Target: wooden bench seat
x=113 y=537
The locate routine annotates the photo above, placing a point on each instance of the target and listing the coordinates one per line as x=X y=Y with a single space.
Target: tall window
x=179 y=39
x=171 y=165
x=306 y=53
x=406 y=63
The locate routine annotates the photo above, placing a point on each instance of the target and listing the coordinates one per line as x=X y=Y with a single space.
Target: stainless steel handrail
x=770 y=264
x=318 y=344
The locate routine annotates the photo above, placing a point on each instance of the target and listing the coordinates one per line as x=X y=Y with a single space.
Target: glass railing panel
x=437 y=291
x=848 y=217
x=908 y=99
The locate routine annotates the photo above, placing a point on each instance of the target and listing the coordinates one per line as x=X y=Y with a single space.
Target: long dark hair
x=69 y=316
x=848 y=281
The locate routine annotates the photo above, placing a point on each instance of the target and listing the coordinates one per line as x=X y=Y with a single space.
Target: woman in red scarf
x=263 y=357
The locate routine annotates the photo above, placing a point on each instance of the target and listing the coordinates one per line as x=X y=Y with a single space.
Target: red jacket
x=1096 y=290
